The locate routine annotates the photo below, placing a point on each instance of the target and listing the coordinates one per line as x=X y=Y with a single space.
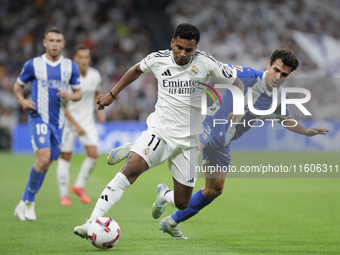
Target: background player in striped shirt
x=80 y=123
x=50 y=76
x=174 y=127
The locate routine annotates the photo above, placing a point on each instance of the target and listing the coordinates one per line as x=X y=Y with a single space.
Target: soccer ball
x=104 y=233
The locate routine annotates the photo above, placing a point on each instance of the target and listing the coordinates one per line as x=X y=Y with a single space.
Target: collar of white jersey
x=263 y=83
x=55 y=63
x=173 y=61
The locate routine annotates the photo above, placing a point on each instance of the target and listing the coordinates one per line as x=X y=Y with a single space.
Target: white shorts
x=181 y=153
x=70 y=135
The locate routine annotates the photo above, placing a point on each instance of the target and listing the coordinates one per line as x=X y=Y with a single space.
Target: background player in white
x=173 y=128
x=80 y=123
x=215 y=141
x=50 y=76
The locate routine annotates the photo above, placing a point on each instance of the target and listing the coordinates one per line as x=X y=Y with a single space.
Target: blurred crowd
x=242 y=32
x=245 y=32
x=111 y=29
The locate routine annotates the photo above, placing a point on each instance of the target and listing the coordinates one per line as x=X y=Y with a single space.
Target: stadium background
x=121 y=33
x=253 y=215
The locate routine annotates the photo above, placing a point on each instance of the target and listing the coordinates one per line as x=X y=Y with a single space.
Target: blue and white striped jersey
x=46 y=79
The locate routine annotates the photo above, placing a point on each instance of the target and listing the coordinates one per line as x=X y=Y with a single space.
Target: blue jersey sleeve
x=27 y=73
x=247 y=75
x=75 y=80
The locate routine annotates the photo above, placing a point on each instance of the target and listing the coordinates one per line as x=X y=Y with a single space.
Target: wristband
x=112 y=95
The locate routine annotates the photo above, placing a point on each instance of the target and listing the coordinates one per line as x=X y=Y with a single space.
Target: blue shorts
x=45 y=136
x=214 y=135
x=217 y=156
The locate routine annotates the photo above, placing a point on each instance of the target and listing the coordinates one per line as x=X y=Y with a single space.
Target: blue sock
x=33 y=184
x=41 y=180
x=197 y=202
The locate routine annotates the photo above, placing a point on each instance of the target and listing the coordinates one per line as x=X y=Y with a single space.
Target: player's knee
x=182 y=204
x=133 y=167
x=218 y=191
x=182 y=207
x=65 y=156
x=93 y=154
x=213 y=192
x=42 y=164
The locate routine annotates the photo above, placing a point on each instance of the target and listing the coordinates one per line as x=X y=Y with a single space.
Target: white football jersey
x=180 y=90
x=83 y=110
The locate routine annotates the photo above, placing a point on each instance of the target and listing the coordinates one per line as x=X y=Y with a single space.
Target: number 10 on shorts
x=41 y=128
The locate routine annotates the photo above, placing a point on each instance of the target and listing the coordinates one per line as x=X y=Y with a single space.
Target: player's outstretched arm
x=301 y=129
x=130 y=76
x=26 y=104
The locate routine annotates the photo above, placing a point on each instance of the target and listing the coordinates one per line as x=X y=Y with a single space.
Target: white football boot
x=19 y=211
x=118 y=154
x=29 y=211
x=159 y=205
x=82 y=230
x=171 y=230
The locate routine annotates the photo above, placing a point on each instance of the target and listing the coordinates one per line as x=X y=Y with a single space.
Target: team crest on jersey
x=146 y=151
x=66 y=73
x=41 y=139
x=194 y=70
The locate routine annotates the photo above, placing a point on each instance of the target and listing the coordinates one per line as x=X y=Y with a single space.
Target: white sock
x=171 y=222
x=85 y=171
x=169 y=197
x=63 y=176
x=110 y=195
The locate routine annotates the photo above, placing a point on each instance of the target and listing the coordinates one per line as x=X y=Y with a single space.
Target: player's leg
x=198 y=201
x=134 y=166
x=214 y=183
x=179 y=197
x=25 y=208
x=63 y=175
x=184 y=155
x=41 y=142
x=85 y=171
x=146 y=152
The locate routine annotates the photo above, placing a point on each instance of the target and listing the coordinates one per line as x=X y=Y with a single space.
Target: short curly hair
x=188 y=32
x=288 y=57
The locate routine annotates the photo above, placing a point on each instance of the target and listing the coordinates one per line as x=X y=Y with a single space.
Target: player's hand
x=316 y=131
x=27 y=104
x=104 y=100
x=234 y=118
x=64 y=95
x=79 y=130
x=101 y=116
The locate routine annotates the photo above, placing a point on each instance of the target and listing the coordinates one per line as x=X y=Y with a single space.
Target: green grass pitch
x=253 y=215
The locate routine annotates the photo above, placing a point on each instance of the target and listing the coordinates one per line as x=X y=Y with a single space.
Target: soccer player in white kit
x=80 y=124
x=174 y=127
